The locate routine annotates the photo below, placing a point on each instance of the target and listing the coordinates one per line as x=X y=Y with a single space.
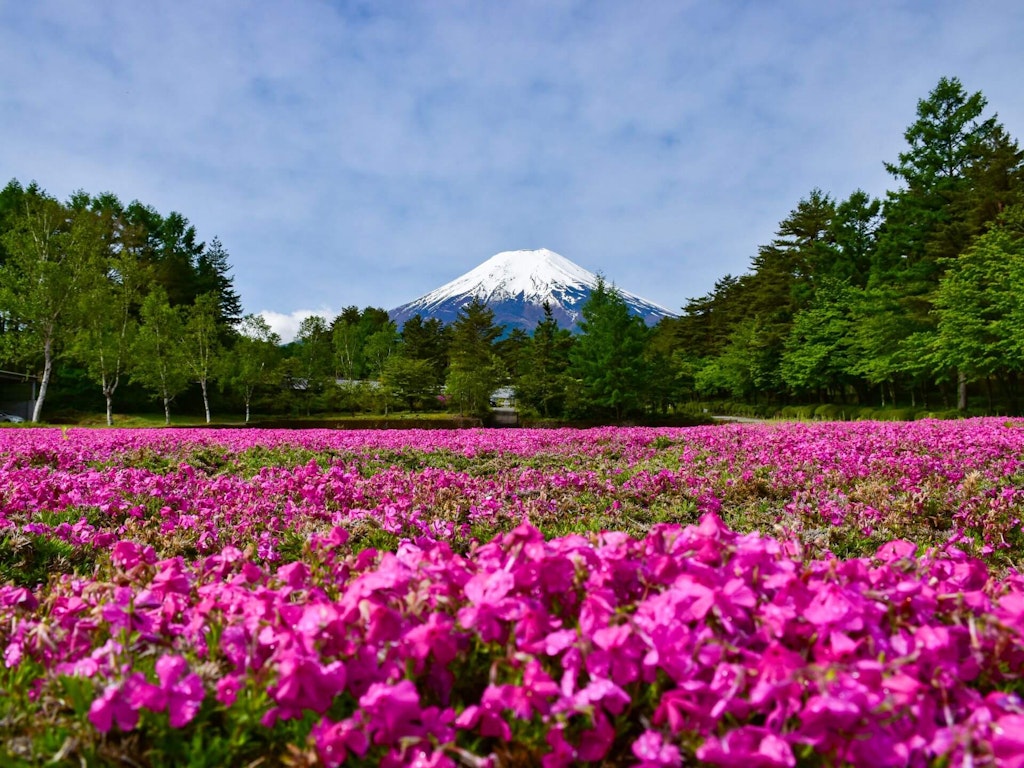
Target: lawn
x=736 y=595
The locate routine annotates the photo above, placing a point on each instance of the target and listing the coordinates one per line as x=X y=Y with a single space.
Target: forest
x=908 y=305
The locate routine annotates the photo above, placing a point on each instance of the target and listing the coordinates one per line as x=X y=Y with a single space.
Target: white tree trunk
x=206 y=400
x=37 y=411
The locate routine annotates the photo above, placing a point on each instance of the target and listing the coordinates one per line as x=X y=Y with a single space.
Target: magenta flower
x=595 y=742
x=1008 y=741
x=562 y=754
x=184 y=692
x=304 y=683
x=227 y=689
x=653 y=752
x=127 y=554
x=747 y=747
x=392 y=712
x=110 y=708
x=436 y=636
x=334 y=741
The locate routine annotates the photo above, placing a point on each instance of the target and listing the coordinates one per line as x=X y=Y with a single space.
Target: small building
x=17 y=393
x=503 y=397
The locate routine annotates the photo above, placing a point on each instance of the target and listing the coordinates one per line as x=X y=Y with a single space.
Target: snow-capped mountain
x=515 y=285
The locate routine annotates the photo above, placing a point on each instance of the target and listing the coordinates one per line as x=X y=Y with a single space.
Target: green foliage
x=159 y=362
x=29 y=560
x=475 y=370
x=542 y=383
x=427 y=341
x=608 y=357
x=253 y=359
x=816 y=355
x=410 y=382
x=980 y=303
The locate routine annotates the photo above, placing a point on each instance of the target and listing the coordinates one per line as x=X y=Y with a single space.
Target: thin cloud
x=287 y=325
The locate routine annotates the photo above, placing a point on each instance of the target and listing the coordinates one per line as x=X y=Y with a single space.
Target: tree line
x=117 y=303
x=916 y=299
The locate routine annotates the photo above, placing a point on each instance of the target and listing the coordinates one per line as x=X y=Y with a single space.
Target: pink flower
x=334 y=741
x=127 y=554
x=184 y=692
x=1008 y=741
x=304 y=683
x=595 y=743
x=392 y=712
x=653 y=752
x=227 y=689
x=562 y=754
x=111 y=707
x=436 y=636
x=747 y=747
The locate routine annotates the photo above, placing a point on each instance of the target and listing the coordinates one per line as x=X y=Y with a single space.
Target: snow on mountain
x=515 y=285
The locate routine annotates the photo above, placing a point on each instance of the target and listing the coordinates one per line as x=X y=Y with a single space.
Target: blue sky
x=367 y=152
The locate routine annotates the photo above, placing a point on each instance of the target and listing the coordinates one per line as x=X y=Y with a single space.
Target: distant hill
x=515 y=285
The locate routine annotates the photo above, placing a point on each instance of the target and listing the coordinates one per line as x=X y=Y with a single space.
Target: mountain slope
x=515 y=285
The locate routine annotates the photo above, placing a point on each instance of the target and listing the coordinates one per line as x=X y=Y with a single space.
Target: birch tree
x=201 y=348
x=108 y=323
x=54 y=253
x=254 y=358
x=158 y=357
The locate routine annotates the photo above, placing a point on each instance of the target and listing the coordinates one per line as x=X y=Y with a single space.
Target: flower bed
x=622 y=597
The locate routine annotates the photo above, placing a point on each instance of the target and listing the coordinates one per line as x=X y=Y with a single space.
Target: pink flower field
x=834 y=594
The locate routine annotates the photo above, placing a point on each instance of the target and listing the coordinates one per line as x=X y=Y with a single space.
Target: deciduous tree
x=201 y=343
x=54 y=253
x=158 y=357
x=253 y=358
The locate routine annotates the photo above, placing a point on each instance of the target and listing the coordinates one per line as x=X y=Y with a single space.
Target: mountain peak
x=516 y=284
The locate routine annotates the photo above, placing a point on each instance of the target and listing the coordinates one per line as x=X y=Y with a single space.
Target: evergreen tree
x=475 y=370
x=543 y=381
x=408 y=381
x=179 y=250
x=427 y=341
x=855 y=233
x=980 y=306
x=212 y=276
x=608 y=356
x=929 y=221
x=817 y=353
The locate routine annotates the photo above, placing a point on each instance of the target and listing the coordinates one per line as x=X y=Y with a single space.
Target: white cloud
x=287 y=325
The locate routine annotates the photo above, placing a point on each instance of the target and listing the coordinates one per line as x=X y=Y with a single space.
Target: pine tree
x=212 y=276
x=608 y=356
x=475 y=370
x=543 y=383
